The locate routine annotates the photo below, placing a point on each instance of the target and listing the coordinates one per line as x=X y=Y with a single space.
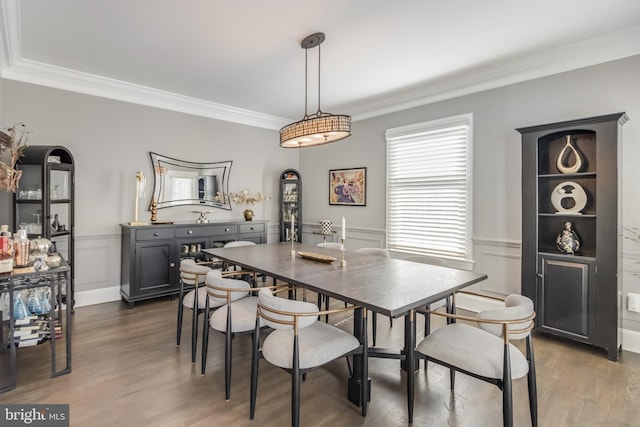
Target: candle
x=293 y=220
x=344 y=229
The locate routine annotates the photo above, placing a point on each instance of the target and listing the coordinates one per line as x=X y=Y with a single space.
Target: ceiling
x=241 y=60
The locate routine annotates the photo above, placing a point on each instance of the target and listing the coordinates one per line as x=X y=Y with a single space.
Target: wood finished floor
x=127 y=371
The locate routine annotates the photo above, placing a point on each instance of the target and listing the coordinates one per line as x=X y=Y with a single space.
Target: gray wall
x=606 y=88
x=111 y=140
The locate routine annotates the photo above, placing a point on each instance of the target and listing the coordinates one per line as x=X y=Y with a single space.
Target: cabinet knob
x=226 y=230
x=173 y=264
x=539 y=275
x=190 y=232
x=156 y=234
x=251 y=228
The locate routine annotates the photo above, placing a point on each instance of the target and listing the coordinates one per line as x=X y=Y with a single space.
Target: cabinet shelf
x=566 y=216
x=565 y=176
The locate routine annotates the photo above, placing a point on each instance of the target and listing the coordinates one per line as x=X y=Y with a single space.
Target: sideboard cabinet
x=151 y=254
x=570 y=228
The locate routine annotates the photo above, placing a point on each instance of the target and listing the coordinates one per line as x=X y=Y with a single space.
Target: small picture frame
x=348 y=187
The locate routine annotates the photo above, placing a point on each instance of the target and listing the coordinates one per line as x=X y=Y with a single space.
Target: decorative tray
x=317 y=257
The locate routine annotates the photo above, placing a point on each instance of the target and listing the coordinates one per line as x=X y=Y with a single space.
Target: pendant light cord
x=305 y=82
x=318 y=81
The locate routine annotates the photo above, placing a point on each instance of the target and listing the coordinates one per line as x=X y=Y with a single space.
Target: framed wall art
x=348 y=187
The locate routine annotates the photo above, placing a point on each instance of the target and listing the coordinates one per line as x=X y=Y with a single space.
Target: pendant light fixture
x=318 y=128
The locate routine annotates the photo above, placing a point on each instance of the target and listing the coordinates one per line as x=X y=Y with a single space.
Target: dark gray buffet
x=151 y=253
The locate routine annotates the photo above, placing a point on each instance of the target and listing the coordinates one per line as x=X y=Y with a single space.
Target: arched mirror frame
x=180 y=182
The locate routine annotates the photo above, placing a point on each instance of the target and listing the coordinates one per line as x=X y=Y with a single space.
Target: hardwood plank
x=128 y=371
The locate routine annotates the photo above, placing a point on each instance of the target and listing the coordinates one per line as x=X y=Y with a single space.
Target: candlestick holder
x=343 y=262
x=293 y=251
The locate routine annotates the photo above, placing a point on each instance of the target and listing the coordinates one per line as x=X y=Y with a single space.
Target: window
x=429 y=188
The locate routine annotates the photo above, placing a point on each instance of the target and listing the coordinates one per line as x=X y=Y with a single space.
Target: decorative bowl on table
x=317 y=257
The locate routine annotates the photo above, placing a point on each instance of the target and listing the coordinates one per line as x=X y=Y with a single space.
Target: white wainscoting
x=97 y=271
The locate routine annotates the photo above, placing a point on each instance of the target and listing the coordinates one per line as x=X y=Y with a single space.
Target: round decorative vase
x=248 y=215
x=564 y=156
x=325 y=226
x=54 y=260
x=568 y=241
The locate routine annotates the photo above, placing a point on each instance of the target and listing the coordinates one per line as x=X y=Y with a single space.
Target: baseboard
x=631 y=341
x=97 y=296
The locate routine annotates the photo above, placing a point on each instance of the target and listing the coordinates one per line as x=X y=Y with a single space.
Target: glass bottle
x=55 y=225
x=19 y=308
x=33 y=303
x=21 y=247
x=6 y=249
x=45 y=303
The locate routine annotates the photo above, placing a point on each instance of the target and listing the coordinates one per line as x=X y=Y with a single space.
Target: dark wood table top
x=387 y=286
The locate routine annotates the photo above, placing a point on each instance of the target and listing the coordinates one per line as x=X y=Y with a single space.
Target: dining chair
x=383 y=253
x=238 y=243
x=191 y=274
x=299 y=343
x=330 y=245
x=236 y=314
x=485 y=351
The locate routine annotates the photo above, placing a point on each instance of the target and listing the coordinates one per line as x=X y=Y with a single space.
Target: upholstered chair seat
x=472 y=349
x=485 y=351
x=300 y=342
x=319 y=344
x=237 y=313
x=191 y=274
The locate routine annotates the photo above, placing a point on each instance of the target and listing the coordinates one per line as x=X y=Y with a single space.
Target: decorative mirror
x=179 y=182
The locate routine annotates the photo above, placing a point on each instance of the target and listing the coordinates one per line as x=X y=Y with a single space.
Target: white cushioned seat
x=473 y=350
x=318 y=342
x=243 y=315
x=187 y=300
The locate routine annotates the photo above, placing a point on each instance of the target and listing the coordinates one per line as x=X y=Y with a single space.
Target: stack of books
x=32 y=330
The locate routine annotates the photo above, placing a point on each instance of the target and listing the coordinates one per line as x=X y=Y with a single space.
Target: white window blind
x=429 y=188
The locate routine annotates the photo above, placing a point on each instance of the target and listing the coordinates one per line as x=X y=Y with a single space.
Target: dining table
x=392 y=287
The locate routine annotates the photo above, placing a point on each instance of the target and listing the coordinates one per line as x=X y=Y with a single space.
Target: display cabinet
x=44 y=202
x=30 y=315
x=151 y=254
x=290 y=206
x=570 y=234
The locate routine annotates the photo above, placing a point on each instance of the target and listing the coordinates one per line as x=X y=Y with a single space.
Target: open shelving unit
x=575 y=293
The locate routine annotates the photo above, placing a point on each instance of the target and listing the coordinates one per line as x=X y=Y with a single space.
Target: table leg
x=410 y=338
x=355 y=390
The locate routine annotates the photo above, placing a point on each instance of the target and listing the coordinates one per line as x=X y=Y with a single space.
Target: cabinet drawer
x=252 y=228
x=154 y=234
x=195 y=231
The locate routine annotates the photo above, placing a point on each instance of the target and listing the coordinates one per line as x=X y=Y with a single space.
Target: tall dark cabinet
x=570 y=229
x=44 y=202
x=290 y=205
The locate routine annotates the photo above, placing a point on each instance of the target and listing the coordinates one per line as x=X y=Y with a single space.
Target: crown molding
x=608 y=47
x=584 y=53
x=63 y=78
x=9 y=32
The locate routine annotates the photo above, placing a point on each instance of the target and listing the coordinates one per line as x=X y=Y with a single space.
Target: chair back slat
x=519 y=313
x=280 y=313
